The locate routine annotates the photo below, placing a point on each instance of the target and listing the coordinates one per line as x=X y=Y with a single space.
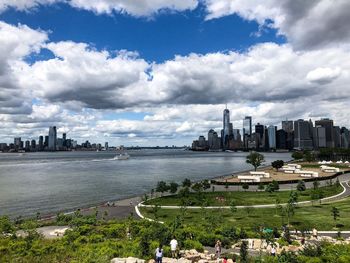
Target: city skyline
x=161 y=73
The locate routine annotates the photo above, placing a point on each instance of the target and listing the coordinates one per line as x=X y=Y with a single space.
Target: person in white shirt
x=173 y=247
x=159 y=254
x=273 y=251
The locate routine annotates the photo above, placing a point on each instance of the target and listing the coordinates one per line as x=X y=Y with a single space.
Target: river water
x=63 y=181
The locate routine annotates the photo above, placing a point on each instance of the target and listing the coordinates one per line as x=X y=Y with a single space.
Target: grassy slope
x=318 y=216
x=242 y=198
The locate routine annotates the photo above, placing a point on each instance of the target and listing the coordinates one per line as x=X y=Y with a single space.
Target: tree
x=316 y=184
x=245 y=186
x=255 y=159
x=243 y=252
x=206 y=184
x=162 y=187
x=309 y=156
x=277 y=164
x=184 y=192
x=335 y=213
x=270 y=188
x=261 y=187
x=297 y=155
x=301 y=186
x=197 y=187
x=275 y=185
x=173 y=187
x=186 y=183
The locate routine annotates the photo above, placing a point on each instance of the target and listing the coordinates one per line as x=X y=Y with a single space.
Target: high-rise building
x=337 y=138
x=328 y=124
x=281 y=139
x=345 y=138
x=226 y=128
x=320 y=137
x=46 y=142
x=247 y=125
x=302 y=135
x=260 y=136
x=211 y=138
x=41 y=143
x=271 y=131
x=52 y=138
x=27 y=145
x=33 y=145
x=287 y=126
x=106 y=146
x=64 y=140
x=18 y=143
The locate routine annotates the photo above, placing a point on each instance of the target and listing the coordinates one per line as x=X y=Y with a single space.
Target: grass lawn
x=319 y=216
x=241 y=197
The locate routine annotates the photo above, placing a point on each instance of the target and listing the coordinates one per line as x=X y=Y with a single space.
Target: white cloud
x=306 y=24
x=323 y=75
x=135 y=8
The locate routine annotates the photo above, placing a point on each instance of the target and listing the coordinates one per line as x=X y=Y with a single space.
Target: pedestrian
x=159 y=254
x=173 y=247
x=218 y=249
x=273 y=251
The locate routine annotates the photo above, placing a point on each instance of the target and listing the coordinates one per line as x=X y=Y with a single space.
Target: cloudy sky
x=159 y=72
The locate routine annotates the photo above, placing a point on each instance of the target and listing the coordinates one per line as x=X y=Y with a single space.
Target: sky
x=160 y=72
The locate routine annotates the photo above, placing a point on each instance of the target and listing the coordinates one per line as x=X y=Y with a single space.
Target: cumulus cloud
x=307 y=24
x=136 y=8
x=323 y=75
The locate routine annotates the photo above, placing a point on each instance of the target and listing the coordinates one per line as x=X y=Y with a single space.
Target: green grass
x=318 y=216
x=241 y=197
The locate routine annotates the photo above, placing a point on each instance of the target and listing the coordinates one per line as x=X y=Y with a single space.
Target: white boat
x=122 y=156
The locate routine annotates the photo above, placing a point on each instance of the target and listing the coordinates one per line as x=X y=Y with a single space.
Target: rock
x=203 y=261
x=127 y=260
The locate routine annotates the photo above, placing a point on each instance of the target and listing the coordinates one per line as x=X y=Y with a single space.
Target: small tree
x=316 y=184
x=275 y=185
x=186 y=183
x=173 y=187
x=243 y=252
x=297 y=155
x=277 y=164
x=245 y=186
x=197 y=187
x=261 y=187
x=206 y=184
x=301 y=186
x=335 y=213
x=162 y=187
x=309 y=156
x=269 y=188
x=255 y=159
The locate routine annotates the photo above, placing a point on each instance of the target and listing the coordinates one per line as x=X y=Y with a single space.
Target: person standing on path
x=173 y=247
x=218 y=249
x=159 y=254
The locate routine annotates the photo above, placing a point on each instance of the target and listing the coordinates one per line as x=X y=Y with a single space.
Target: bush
x=193 y=244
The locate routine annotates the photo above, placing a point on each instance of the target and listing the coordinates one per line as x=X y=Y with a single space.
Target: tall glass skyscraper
x=226 y=127
x=52 y=138
x=247 y=125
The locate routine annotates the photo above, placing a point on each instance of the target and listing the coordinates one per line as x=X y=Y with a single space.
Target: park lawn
x=241 y=197
x=305 y=217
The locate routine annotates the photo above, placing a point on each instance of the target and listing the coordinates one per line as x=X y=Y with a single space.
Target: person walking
x=159 y=254
x=173 y=247
x=273 y=251
x=218 y=249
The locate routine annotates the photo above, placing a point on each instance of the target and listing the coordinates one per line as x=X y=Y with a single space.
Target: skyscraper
x=302 y=135
x=271 y=131
x=247 y=125
x=41 y=143
x=52 y=138
x=226 y=128
x=287 y=126
x=328 y=124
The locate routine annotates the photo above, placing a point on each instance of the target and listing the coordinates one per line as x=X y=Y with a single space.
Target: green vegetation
x=255 y=159
x=240 y=198
x=277 y=164
x=303 y=217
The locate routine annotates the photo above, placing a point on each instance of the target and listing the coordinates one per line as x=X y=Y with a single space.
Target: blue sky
x=71 y=64
x=158 y=38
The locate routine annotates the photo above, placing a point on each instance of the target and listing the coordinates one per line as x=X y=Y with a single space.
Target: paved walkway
x=342 y=195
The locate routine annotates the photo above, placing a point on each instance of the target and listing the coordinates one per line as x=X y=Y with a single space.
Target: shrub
x=193 y=244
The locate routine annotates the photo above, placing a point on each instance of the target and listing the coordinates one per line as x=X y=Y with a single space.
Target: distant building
x=18 y=143
x=302 y=135
x=271 y=131
x=41 y=143
x=281 y=139
x=320 y=137
x=328 y=125
x=33 y=145
x=226 y=128
x=260 y=136
x=287 y=126
x=27 y=145
x=337 y=136
x=52 y=138
x=106 y=146
x=345 y=138
x=247 y=125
